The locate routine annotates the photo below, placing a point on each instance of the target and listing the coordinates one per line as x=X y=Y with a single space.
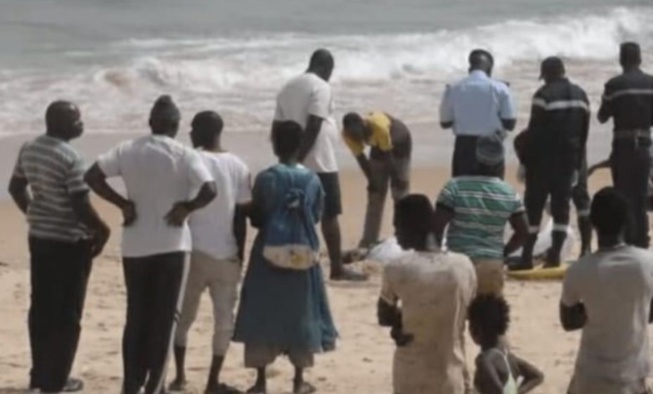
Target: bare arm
x=364 y=165
x=313 y=127
x=533 y=377
x=605 y=111
x=87 y=214
x=598 y=166
x=509 y=124
x=240 y=229
x=181 y=210
x=519 y=224
x=573 y=317
x=97 y=181
x=388 y=315
x=487 y=380
x=443 y=215
x=19 y=192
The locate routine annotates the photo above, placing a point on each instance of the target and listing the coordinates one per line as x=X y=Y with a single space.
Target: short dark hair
x=414 y=212
x=207 y=126
x=610 y=212
x=352 y=119
x=321 y=58
x=478 y=56
x=286 y=138
x=489 y=314
x=56 y=113
x=164 y=114
x=630 y=54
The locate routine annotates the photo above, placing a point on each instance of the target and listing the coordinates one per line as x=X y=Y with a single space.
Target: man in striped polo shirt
x=553 y=153
x=65 y=234
x=477 y=208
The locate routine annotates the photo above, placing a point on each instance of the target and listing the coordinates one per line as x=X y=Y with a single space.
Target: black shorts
x=332 y=197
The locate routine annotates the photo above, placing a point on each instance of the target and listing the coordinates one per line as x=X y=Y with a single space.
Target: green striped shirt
x=482 y=207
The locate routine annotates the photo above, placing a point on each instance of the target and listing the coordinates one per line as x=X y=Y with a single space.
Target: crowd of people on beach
x=185 y=220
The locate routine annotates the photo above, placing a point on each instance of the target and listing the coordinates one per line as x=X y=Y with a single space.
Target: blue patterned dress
x=284 y=309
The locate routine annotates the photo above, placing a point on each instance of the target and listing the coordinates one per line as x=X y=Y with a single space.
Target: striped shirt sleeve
x=19 y=172
x=447 y=196
x=75 y=176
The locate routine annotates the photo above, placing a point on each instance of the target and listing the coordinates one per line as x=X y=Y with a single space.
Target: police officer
x=553 y=150
x=628 y=98
x=474 y=107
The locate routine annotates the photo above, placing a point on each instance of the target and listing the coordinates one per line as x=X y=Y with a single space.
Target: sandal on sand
x=224 y=389
x=305 y=388
x=349 y=275
x=178 y=387
x=256 y=390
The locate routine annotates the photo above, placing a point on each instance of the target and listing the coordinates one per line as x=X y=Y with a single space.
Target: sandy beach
x=362 y=362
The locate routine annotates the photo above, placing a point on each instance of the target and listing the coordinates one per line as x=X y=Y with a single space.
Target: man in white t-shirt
x=608 y=295
x=307 y=100
x=218 y=231
x=162 y=178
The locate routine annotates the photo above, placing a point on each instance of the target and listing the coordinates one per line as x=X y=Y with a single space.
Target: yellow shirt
x=381 y=139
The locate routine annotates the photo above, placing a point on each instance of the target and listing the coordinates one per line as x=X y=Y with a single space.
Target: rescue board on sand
x=540 y=273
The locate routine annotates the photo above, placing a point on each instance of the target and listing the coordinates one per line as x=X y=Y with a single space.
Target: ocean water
x=113 y=57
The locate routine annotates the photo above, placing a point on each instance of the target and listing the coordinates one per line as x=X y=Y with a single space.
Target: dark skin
x=390 y=315
x=361 y=134
x=485 y=64
x=213 y=384
x=491 y=370
x=179 y=212
x=66 y=125
x=257 y=218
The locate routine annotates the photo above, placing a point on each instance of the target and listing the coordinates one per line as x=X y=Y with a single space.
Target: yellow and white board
x=540 y=273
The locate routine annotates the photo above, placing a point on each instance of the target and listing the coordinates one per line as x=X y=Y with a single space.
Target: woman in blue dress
x=284 y=311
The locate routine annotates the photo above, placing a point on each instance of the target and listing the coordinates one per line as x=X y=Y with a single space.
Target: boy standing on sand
x=435 y=289
x=307 y=101
x=161 y=176
x=65 y=235
x=389 y=163
x=218 y=233
x=498 y=370
x=608 y=295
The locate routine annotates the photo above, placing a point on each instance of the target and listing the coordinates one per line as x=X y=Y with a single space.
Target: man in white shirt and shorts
x=307 y=100
x=219 y=232
x=162 y=178
x=608 y=295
